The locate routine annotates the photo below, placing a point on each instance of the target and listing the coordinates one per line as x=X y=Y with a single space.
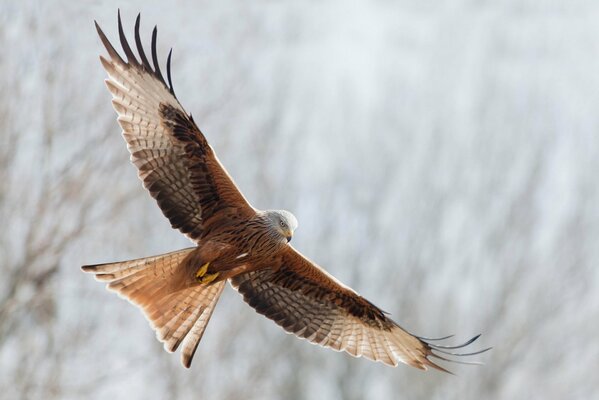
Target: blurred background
x=442 y=158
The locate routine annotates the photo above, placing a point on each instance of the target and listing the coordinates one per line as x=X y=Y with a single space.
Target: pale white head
x=282 y=222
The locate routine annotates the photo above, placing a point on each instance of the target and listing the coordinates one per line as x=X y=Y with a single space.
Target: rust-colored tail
x=178 y=308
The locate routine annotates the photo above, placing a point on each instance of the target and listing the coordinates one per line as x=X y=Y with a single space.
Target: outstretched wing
x=174 y=161
x=308 y=302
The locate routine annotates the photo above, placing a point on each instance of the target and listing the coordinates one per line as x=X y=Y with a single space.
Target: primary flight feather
x=234 y=241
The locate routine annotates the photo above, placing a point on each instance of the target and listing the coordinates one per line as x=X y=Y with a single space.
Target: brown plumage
x=178 y=291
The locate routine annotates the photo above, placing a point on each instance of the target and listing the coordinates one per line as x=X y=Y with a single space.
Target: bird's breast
x=250 y=241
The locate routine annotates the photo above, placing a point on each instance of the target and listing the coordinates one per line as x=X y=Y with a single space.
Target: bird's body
x=242 y=246
x=234 y=241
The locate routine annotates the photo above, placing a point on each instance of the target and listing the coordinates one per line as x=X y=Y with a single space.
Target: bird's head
x=282 y=222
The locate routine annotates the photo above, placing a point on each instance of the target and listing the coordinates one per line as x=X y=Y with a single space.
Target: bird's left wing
x=174 y=160
x=307 y=301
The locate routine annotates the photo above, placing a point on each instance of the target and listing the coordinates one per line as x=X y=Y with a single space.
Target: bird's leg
x=218 y=262
x=207 y=254
x=203 y=277
x=202 y=270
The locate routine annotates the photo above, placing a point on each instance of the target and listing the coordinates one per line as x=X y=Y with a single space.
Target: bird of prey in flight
x=234 y=242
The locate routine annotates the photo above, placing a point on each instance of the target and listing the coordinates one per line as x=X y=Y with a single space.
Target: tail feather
x=112 y=271
x=178 y=309
x=196 y=322
x=191 y=341
x=184 y=313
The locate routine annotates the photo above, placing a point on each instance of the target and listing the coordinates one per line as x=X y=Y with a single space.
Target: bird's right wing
x=174 y=161
x=308 y=302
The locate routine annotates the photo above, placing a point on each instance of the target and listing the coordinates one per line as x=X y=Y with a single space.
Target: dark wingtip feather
x=114 y=55
x=470 y=341
x=140 y=49
x=431 y=364
x=131 y=59
x=455 y=361
x=425 y=339
x=463 y=354
x=434 y=349
x=155 y=56
x=168 y=72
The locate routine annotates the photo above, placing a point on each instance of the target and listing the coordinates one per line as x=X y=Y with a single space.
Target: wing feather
x=308 y=302
x=174 y=160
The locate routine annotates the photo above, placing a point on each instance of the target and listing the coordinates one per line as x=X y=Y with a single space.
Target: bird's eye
x=282 y=224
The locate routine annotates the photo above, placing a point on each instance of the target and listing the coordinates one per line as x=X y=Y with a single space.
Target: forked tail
x=178 y=309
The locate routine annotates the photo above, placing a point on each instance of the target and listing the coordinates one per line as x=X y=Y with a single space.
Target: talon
x=209 y=278
x=202 y=271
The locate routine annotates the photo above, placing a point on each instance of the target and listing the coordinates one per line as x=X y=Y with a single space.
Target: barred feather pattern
x=177 y=312
x=174 y=160
x=306 y=301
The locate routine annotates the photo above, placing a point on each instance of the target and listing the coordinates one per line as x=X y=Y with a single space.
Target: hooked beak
x=289 y=238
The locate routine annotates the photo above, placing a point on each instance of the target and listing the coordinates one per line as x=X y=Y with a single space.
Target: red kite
x=234 y=241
